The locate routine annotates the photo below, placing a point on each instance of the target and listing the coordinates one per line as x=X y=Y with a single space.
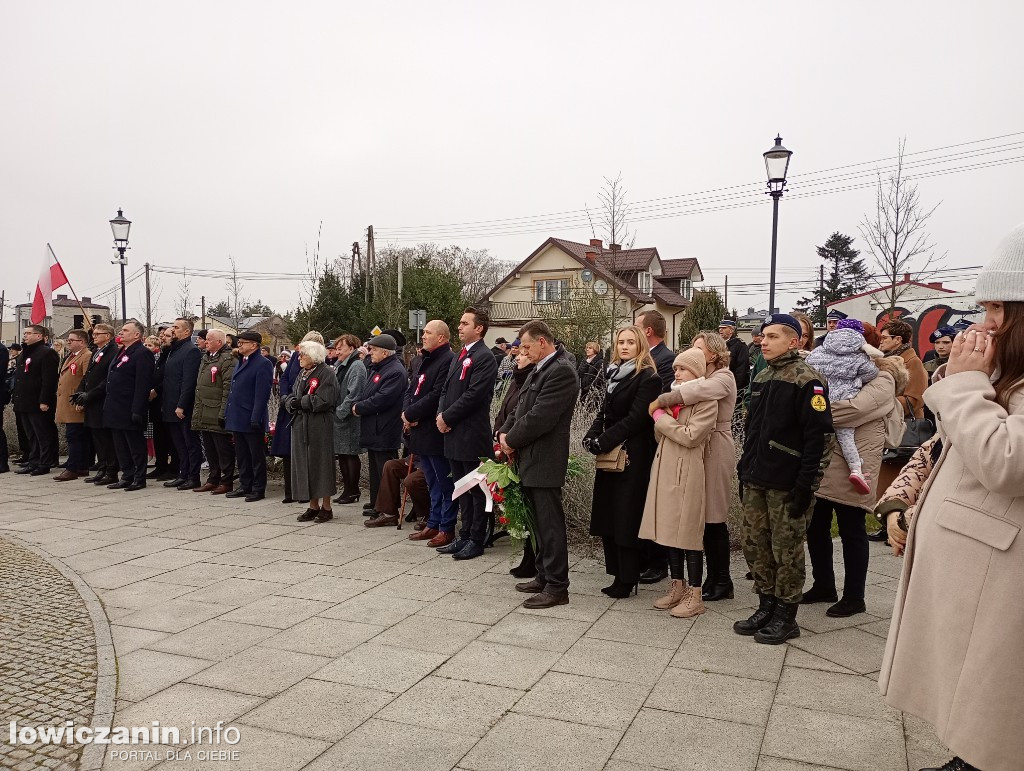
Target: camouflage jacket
x=789 y=427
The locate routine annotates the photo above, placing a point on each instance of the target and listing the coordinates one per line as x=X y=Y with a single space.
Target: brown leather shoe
x=208 y=487
x=545 y=600
x=441 y=539
x=382 y=520
x=220 y=489
x=423 y=535
x=530 y=587
x=66 y=476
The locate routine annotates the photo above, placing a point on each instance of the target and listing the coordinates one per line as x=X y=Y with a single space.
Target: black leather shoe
x=324 y=515
x=39 y=471
x=846 y=608
x=238 y=493
x=94 y=478
x=819 y=594
x=759 y=619
x=879 y=535
x=105 y=480
x=368 y=505
x=176 y=482
x=653 y=575
x=455 y=546
x=956 y=764
x=25 y=470
x=254 y=497
x=344 y=500
x=190 y=484
x=470 y=551
x=287 y=500
x=782 y=627
x=135 y=486
x=119 y=485
x=307 y=516
x=4 y=468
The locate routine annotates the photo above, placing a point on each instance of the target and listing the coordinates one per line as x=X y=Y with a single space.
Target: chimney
x=86 y=300
x=935 y=284
x=597 y=242
x=750 y=311
x=615 y=247
x=906 y=277
x=591 y=255
x=62 y=297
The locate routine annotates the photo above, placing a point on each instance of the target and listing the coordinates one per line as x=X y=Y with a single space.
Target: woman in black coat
x=591 y=372
x=619 y=497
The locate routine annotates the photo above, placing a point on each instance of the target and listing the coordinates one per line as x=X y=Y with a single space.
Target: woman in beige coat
x=953 y=654
x=718 y=386
x=674 y=511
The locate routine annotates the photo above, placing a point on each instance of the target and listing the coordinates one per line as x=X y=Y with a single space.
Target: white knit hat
x=1002 y=279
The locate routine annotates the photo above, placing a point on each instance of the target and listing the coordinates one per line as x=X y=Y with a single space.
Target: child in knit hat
x=844 y=360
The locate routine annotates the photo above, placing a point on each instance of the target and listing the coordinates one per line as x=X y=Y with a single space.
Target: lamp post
x=776 y=162
x=120 y=226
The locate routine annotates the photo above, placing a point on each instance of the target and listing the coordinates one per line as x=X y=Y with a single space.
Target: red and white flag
x=51 y=278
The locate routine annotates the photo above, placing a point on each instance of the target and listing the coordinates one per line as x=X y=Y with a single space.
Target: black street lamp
x=121 y=226
x=776 y=162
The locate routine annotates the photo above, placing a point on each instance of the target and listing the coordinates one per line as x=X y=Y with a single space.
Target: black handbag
x=917 y=432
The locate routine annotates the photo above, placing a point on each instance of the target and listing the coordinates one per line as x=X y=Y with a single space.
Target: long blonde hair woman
x=618 y=503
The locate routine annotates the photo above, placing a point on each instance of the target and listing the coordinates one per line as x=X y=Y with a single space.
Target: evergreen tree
x=845 y=275
x=704 y=313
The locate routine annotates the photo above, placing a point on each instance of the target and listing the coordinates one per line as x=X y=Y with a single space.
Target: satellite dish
x=600 y=287
x=587 y=275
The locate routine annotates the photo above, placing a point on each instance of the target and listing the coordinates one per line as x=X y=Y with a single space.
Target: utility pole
x=356 y=258
x=400 y=277
x=821 y=290
x=726 y=294
x=202 y=300
x=366 y=275
x=371 y=261
x=149 y=308
x=3 y=296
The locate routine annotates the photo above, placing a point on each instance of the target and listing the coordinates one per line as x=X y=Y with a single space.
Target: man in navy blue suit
x=127 y=404
x=246 y=417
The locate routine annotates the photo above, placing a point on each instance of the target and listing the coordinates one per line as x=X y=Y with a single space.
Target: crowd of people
x=823 y=421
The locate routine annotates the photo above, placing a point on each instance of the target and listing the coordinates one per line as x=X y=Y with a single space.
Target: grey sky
x=234 y=128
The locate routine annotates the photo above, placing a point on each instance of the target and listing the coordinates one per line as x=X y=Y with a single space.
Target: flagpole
x=85 y=316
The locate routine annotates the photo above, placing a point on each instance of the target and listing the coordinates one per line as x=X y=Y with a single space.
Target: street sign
x=417 y=320
x=376 y=331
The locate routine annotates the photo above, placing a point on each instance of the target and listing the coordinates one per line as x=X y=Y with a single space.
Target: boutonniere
x=99 y=355
x=27 y=362
x=376 y=378
x=466 y=363
x=313 y=383
x=123 y=360
x=74 y=368
x=213 y=374
x=419 y=384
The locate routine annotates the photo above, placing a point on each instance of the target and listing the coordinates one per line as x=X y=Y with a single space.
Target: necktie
x=462 y=353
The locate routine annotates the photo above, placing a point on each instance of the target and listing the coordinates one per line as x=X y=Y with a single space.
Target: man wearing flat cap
x=739 y=354
x=379 y=408
x=785 y=452
x=245 y=416
x=832 y=320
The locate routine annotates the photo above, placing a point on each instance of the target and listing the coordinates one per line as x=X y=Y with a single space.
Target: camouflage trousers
x=773 y=543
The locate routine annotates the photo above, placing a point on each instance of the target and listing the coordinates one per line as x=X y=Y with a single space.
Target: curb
x=106 y=660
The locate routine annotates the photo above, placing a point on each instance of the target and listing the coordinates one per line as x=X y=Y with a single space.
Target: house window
x=686 y=288
x=644 y=281
x=551 y=290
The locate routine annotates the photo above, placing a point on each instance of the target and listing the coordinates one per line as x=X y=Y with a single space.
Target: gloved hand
x=256 y=427
x=797 y=502
x=289 y=404
x=591 y=446
x=221 y=422
x=139 y=421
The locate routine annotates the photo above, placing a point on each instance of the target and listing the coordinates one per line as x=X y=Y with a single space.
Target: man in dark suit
x=739 y=355
x=537 y=435
x=246 y=417
x=124 y=408
x=178 y=397
x=35 y=398
x=464 y=417
x=91 y=394
x=419 y=418
x=5 y=397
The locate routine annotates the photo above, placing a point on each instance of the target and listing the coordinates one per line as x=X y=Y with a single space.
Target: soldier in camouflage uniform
x=785 y=451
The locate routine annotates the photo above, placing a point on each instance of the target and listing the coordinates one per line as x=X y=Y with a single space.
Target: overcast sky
x=235 y=128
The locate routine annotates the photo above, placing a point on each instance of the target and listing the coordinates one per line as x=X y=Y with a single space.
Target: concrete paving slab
x=528 y=743
x=586 y=700
x=259 y=671
x=277 y=612
x=654 y=740
x=174 y=615
x=323 y=636
x=142 y=673
x=431 y=634
x=707 y=694
x=378 y=745
x=657 y=630
x=319 y=709
x=851 y=648
x=471 y=607
x=473 y=707
x=624 y=662
x=382 y=667
x=371 y=609
x=214 y=640
x=533 y=631
x=832 y=692
x=497 y=664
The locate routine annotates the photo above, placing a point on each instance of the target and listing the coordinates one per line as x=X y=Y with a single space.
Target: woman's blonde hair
x=644 y=360
x=313 y=336
x=715 y=343
x=592 y=344
x=808 y=326
x=314 y=350
x=152 y=340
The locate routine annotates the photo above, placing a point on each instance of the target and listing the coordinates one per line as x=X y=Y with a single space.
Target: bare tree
x=183 y=305
x=896 y=233
x=614 y=222
x=233 y=285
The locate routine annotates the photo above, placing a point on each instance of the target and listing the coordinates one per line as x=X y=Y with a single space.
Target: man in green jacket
x=212 y=388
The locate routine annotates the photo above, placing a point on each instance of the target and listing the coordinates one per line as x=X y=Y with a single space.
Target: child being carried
x=843 y=360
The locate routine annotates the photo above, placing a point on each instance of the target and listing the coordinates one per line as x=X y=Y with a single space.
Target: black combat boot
x=956 y=764
x=761 y=617
x=782 y=627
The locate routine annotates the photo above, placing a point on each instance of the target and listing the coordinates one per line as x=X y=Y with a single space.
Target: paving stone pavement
x=335 y=646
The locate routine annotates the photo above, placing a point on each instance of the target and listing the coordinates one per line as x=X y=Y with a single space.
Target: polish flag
x=51 y=278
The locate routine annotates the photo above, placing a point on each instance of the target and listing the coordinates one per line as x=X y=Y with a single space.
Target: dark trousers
x=653 y=556
x=251 y=452
x=220 y=454
x=472 y=505
x=396 y=476
x=444 y=512
x=349 y=466
x=79 y=447
x=623 y=562
x=163 y=449
x=855 y=547
x=376 y=460
x=189 y=448
x=4 y=452
x=130 y=447
x=42 y=439
x=683 y=561
x=106 y=457
x=19 y=422
x=552 y=548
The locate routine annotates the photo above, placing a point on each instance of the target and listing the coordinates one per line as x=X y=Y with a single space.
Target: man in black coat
x=178 y=397
x=5 y=397
x=91 y=394
x=380 y=408
x=35 y=398
x=832 y=320
x=655 y=329
x=165 y=456
x=124 y=408
x=739 y=355
x=538 y=436
x=464 y=417
x=419 y=418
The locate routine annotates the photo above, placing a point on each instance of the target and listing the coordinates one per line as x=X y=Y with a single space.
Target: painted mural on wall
x=927 y=321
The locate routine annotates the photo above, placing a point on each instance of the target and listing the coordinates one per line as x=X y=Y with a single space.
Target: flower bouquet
x=507 y=491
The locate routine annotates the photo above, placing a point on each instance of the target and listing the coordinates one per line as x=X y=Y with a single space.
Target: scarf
x=899 y=351
x=519 y=375
x=617 y=374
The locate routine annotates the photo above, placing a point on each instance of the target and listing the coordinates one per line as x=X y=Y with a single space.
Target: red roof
x=879 y=289
x=682 y=268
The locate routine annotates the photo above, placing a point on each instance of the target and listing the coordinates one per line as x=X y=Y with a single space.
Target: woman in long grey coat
x=311 y=405
x=351 y=373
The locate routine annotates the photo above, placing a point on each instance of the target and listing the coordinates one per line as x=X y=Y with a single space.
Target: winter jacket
x=251 y=382
x=36 y=379
x=789 y=427
x=739 y=361
x=179 y=380
x=129 y=380
x=94 y=384
x=72 y=371
x=422 y=397
x=842 y=362
x=351 y=375
x=466 y=404
x=212 y=386
x=380 y=404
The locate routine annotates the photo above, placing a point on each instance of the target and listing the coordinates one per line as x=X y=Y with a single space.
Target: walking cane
x=405 y=491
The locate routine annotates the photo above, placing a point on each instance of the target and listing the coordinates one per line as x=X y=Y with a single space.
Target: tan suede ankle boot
x=692 y=605
x=677 y=591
